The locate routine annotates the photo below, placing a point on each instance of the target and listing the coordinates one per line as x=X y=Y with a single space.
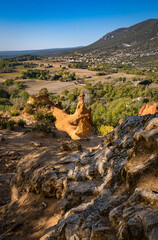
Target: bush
x=9 y=82
x=3 y=122
x=100 y=73
x=38 y=116
x=23 y=94
x=50 y=117
x=18 y=102
x=43 y=92
x=21 y=123
x=42 y=126
x=29 y=108
x=10 y=125
x=105 y=129
x=14 y=112
x=19 y=84
x=36 y=73
x=3 y=93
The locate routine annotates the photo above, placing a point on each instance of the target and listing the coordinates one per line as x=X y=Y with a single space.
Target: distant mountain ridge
x=138 y=42
x=137 y=45
x=139 y=32
x=42 y=52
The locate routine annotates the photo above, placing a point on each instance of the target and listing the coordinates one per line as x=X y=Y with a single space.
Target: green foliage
x=40 y=115
x=10 y=125
x=18 y=102
x=43 y=91
x=41 y=126
x=100 y=73
x=5 y=67
x=9 y=82
x=23 y=58
x=111 y=103
x=64 y=76
x=29 y=108
x=3 y=122
x=3 y=93
x=105 y=129
x=65 y=92
x=35 y=73
x=19 y=84
x=49 y=117
x=21 y=123
x=80 y=65
x=14 y=112
x=44 y=121
x=30 y=65
x=23 y=94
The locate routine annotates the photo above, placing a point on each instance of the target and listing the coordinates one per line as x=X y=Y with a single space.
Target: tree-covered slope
x=141 y=32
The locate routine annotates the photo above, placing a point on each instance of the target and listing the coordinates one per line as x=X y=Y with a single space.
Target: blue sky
x=41 y=24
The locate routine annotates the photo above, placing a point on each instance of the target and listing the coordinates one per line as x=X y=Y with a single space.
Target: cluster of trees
x=12 y=96
x=35 y=73
x=23 y=58
x=81 y=65
x=30 y=65
x=6 y=67
x=105 y=68
x=64 y=76
x=108 y=69
x=110 y=103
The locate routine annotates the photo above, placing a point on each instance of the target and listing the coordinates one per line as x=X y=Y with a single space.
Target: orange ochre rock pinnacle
x=148 y=109
x=77 y=125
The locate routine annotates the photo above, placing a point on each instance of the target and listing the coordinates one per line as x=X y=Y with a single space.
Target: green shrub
x=50 y=117
x=105 y=129
x=3 y=122
x=23 y=94
x=29 y=108
x=21 y=123
x=100 y=73
x=9 y=82
x=18 y=102
x=38 y=116
x=14 y=112
x=19 y=84
x=10 y=125
x=3 y=93
x=41 y=126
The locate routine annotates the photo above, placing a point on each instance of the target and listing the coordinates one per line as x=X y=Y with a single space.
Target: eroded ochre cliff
x=148 y=109
x=77 y=125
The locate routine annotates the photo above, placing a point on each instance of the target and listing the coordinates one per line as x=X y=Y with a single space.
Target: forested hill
x=142 y=32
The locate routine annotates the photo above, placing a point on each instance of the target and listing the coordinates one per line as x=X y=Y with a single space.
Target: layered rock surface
x=110 y=193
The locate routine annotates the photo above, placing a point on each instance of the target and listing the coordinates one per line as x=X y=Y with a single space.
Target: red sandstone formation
x=77 y=125
x=148 y=109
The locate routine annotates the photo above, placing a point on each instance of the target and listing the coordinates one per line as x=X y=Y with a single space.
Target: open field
x=55 y=87
x=32 y=86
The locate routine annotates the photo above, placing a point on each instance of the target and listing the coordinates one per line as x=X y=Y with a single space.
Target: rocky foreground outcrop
x=110 y=193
